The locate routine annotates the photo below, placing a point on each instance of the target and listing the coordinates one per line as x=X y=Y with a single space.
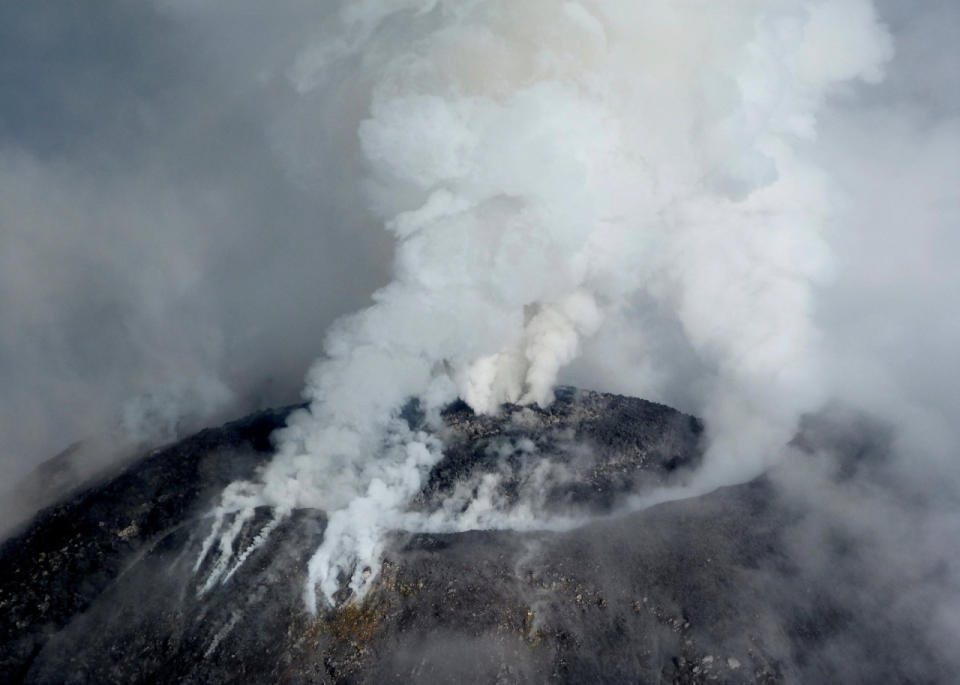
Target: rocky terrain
x=100 y=588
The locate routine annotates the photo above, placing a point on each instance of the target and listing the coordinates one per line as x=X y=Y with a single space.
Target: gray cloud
x=161 y=262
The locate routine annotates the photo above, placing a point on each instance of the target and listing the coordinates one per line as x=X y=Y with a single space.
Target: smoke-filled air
x=546 y=168
x=744 y=209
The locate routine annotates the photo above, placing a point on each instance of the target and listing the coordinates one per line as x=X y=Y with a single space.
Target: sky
x=164 y=264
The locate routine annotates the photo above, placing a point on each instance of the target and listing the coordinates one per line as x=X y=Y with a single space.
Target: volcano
x=102 y=586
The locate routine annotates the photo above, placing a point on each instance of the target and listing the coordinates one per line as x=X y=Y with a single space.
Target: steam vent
x=105 y=587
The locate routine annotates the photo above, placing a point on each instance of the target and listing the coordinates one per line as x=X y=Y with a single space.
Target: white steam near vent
x=542 y=164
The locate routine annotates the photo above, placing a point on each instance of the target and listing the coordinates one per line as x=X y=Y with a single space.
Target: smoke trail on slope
x=540 y=164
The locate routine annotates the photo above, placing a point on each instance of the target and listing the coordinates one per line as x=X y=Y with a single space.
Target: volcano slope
x=101 y=588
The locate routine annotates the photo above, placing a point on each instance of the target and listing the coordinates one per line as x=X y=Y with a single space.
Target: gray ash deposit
x=101 y=587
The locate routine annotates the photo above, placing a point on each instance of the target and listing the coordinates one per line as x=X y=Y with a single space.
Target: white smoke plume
x=543 y=166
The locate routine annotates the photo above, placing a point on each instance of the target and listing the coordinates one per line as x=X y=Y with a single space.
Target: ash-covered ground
x=753 y=583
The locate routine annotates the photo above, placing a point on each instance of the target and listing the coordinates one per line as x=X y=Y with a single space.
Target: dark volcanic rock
x=608 y=445
x=72 y=552
x=102 y=588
